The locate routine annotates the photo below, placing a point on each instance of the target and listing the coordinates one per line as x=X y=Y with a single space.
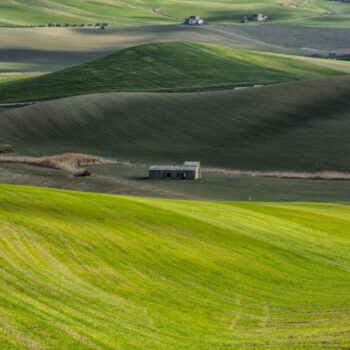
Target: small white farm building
x=258 y=17
x=187 y=171
x=194 y=21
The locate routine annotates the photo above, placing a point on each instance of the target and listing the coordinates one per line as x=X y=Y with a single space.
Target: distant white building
x=258 y=17
x=194 y=21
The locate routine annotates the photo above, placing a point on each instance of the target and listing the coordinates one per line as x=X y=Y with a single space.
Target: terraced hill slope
x=81 y=271
x=295 y=126
x=170 y=66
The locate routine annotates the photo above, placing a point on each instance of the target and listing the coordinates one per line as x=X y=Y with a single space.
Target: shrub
x=6 y=148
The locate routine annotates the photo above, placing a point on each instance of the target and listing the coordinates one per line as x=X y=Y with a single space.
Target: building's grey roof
x=187 y=166
x=173 y=167
x=192 y=163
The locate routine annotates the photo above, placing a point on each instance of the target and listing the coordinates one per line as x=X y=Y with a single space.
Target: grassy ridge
x=118 y=12
x=296 y=126
x=169 y=66
x=145 y=11
x=83 y=271
x=51 y=49
x=80 y=11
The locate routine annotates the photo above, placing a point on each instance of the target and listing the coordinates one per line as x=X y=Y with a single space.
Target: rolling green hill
x=294 y=126
x=170 y=66
x=119 y=12
x=82 y=271
x=52 y=49
x=128 y=12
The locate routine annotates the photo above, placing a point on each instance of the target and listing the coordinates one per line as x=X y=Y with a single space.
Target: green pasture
x=7 y=77
x=81 y=12
x=172 y=66
x=81 y=271
x=52 y=49
x=132 y=179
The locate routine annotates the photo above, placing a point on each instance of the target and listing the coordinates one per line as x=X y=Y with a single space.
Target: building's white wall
x=195 y=21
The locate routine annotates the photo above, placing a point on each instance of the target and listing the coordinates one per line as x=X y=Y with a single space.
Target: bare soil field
x=70 y=162
x=320 y=175
x=303 y=39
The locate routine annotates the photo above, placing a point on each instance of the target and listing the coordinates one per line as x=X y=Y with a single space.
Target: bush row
x=71 y=25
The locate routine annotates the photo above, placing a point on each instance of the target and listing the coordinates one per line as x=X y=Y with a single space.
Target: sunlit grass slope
x=169 y=66
x=119 y=12
x=126 y=12
x=38 y=12
x=10 y=76
x=82 y=271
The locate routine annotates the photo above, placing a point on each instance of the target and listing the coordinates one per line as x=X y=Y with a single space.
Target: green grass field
x=132 y=180
x=8 y=77
x=82 y=271
x=119 y=12
x=171 y=66
x=51 y=49
x=300 y=126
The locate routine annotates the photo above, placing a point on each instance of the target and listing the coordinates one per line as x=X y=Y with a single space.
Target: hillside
x=295 y=126
x=322 y=13
x=169 y=66
x=52 y=49
x=83 y=271
x=119 y=12
x=7 y=77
